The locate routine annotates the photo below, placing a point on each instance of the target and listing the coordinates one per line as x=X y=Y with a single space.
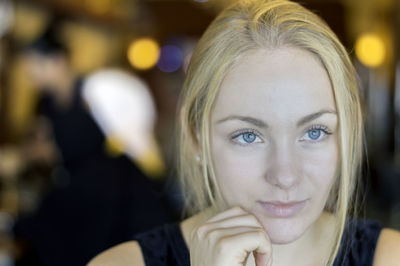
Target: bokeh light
x=90 y=47
x=143 y=53
x=171 y=58
x=370 y=50
x=29 y=23
x=99 y=6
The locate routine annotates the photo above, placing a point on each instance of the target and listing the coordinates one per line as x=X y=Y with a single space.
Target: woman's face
x=274 y=139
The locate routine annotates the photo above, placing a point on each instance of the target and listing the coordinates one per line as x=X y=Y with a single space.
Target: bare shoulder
x=128 y=253
x=388 y=248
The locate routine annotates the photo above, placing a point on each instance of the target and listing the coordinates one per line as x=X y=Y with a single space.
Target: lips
x=282 y=209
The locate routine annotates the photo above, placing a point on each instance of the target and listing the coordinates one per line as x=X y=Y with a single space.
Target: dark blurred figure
x=98 y=200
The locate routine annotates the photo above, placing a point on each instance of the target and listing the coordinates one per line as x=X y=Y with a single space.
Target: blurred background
x=88 y=96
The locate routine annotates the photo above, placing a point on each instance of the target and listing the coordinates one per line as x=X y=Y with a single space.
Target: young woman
x=271 y=144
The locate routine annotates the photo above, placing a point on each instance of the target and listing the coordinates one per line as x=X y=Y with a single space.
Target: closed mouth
x=282 y=209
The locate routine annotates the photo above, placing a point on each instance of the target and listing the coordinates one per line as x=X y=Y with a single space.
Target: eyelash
x=323 y=128
x=241 y=132
x=320 y=127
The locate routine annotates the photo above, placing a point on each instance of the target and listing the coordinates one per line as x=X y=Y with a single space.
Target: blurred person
x=271 y=146
x=100 y=200
x=61 y=101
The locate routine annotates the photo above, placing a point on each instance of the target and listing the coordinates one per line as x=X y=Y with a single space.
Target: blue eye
x=314 y=134
x=249 y=137
x=246 y=137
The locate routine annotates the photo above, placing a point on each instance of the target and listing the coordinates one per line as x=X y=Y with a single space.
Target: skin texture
x=279 y=89
x=228 y=238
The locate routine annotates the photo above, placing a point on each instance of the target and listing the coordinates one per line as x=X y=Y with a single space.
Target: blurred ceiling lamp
x=91 y=47
x=99 y=6
x=171 y=58
x=123 y=107
x=29 y=22
x=6 y=16
x=143 y=53
x=370 y=49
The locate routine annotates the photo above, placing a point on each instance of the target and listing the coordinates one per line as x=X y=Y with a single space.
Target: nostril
x=284 y=178
x=283 y=169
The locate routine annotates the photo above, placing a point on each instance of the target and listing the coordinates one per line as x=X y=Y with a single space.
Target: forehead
x=282 y=83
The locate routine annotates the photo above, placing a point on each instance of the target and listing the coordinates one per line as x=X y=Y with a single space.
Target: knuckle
x=250 y=219
x=238 y=208
x=264 y=239
x=222 y=244
x=193 y=234
x=201 y=230
x=213 y=235
x=253 y=219
x=261 y=233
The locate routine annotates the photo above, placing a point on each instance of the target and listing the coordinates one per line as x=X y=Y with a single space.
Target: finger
x=262 y=259
x=240 y=220
x=216 y=235
x=247 y=220
x=234 y=211
x=248 y=241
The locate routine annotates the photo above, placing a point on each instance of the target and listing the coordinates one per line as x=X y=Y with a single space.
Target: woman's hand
x=228 y=238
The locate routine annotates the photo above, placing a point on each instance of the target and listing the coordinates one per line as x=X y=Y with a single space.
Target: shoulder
x=128 y=253
x=388 y=248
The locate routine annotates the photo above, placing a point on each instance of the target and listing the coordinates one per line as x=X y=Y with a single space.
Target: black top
x=165 y=246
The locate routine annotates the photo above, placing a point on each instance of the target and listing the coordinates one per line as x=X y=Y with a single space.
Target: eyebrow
x=313 y=116
x=262 y=124
x=251 y=120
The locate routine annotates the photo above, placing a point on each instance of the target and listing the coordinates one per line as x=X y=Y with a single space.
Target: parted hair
x=243 y=27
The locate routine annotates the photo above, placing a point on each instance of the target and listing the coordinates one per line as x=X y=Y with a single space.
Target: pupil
x=314 y=134
x=249 y=137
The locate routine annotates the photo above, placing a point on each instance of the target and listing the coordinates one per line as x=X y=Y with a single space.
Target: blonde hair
x=246 y=26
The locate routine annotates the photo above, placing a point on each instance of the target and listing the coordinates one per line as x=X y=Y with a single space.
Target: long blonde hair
x=261 y=24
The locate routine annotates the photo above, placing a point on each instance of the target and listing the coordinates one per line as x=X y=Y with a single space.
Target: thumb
x=262 y=259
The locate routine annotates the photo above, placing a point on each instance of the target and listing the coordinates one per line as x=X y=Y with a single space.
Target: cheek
x=236 y=171
x=321 y=166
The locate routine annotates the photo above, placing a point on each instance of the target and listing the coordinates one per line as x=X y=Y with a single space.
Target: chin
x=284 y=231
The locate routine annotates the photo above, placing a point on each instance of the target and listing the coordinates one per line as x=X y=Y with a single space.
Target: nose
x=284 y=168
